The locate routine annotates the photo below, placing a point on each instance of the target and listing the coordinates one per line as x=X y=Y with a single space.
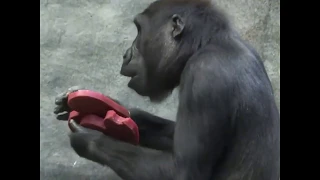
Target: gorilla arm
x=199 y=141
x=204 y=112
x=155 y=132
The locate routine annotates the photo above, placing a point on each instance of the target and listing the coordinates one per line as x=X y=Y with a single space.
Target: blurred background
x=82 y=43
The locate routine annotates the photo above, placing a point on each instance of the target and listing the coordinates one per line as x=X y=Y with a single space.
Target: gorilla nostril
x=125 y=56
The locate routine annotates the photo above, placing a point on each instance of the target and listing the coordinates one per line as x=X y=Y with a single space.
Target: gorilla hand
x=87 y=142
x=62 y=109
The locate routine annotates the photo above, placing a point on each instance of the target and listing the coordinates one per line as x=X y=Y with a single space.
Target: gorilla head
x=166 y=39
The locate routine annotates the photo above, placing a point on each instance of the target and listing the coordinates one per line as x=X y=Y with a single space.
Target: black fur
x=227 y=125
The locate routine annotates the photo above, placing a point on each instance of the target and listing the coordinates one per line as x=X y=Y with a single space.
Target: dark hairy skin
x=227 y=125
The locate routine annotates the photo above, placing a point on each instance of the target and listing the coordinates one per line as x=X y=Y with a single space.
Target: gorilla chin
x=158 y=98
x=155 y=95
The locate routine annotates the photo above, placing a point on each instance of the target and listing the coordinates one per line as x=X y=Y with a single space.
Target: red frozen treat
x=124 y=129
x=95 y=111
x=91 y=102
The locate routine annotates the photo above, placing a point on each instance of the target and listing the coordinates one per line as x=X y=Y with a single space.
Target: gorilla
x=227 y=125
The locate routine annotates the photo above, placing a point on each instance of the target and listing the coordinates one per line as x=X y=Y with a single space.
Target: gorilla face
x=150 y=59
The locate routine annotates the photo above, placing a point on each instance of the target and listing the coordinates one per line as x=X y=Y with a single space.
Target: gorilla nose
x=128 y=68
x=127 y=56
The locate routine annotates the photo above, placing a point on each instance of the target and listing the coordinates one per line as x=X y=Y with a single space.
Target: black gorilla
x=227 y=126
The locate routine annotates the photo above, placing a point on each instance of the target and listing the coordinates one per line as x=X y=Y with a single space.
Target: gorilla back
x=227 y=126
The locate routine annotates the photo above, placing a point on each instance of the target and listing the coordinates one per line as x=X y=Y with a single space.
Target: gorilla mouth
x=125 y=72
x=158 y=98
x=133 y=78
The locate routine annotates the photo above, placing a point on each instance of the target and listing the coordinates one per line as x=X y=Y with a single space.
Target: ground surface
x=82 y=42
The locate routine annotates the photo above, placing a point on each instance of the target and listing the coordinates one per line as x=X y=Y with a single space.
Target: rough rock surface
x=82 y=42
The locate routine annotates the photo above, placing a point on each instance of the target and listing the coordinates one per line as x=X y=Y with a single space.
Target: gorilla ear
x=177 y=24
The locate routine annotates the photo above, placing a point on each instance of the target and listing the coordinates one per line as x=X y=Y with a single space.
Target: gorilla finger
x=63 y=117
x=84 y=145
x=60 y=109
x=76 y=127
x=74 y=88
x=61 y=98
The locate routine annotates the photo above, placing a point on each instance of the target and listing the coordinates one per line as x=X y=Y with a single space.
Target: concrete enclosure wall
x=82 y=42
